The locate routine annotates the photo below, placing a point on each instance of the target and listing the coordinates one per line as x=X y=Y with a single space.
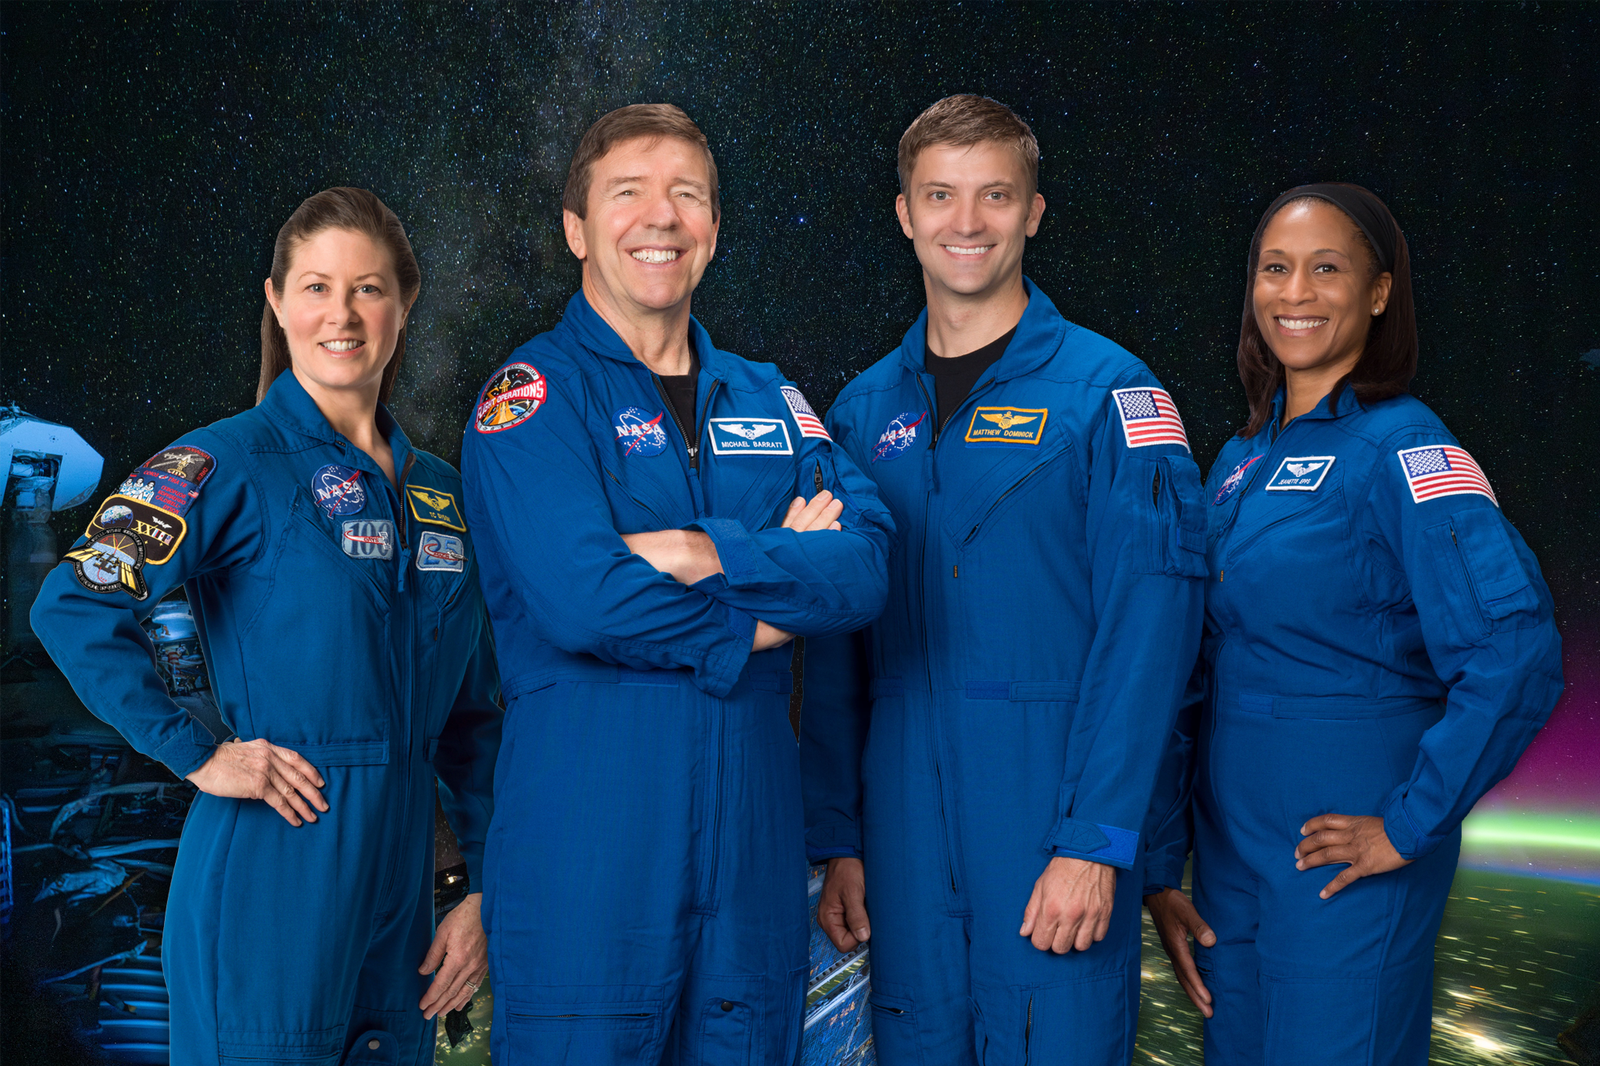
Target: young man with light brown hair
x=978 y=762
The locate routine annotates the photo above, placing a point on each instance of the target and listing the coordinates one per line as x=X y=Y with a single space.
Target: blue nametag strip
x=750 y=436
x=1300 y=473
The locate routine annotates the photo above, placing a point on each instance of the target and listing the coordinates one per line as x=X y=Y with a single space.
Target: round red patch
x=510 y=398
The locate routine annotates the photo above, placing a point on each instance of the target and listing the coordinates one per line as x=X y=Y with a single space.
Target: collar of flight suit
x=1039 y=334
x=289 y=405
x=596 y=334
x=1337 y=404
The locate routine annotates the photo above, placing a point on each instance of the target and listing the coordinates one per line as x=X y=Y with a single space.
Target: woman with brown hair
x=336 y=594
x=1379 y=650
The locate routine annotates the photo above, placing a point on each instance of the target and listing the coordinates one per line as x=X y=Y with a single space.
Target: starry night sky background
x=150 y=153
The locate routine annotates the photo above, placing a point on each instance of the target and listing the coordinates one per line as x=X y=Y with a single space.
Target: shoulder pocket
x=1491 y=573
x=1180 y=527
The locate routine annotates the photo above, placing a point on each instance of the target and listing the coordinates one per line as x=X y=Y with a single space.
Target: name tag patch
x=750 y=436
x=1011 y=427
x=367 y=538
x=1300 y=473
x=441 y=551
x=435 y=507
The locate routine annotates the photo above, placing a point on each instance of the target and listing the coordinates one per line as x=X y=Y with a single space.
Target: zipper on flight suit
x=692 y=443
x=404 y=623
x=934 y=725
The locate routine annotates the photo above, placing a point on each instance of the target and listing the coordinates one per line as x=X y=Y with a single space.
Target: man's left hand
x=460 y=945
x=1359 y=840
x=1071 y=905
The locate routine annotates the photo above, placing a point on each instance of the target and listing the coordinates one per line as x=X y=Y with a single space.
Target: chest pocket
x=1015 y=473
x=442 y=565
x=307 y=532
x=1302 y=523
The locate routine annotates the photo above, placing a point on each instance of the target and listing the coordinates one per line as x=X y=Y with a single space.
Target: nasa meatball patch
x=338 y=490
x=639 y=432
x=1300 y=473
x=898 y=435
x=510 y=398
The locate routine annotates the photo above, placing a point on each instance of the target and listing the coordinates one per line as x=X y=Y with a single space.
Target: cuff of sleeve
x=1108 y=844
x=1157 y=880
x=721 y=673
x=1403 y=833
x=833 y=841
x=472 y=855
x=735 y=549
x=188 y=749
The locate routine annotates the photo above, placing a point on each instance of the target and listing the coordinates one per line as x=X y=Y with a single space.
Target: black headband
x=1364 y=209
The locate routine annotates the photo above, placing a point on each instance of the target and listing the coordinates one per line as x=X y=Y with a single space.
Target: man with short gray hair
x=647 y=549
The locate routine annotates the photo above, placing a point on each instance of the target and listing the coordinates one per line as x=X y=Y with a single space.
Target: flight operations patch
x=510 y=398
x=435 y=508
x=750 y=436
x=159 y=532
x=1007 y=427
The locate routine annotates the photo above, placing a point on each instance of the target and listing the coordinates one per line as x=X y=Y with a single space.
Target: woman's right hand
x=1176 y=920
x=259 y=769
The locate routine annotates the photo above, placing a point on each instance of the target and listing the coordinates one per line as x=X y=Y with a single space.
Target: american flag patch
x=810 y=424
x=1442 y=470
x=1149 y=417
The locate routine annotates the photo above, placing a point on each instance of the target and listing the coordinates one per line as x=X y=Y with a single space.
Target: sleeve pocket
x=1498 y=584
x=1181 y=517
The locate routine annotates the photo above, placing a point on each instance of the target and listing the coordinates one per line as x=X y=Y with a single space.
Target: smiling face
x=649 y=233
x=1315 y=294
x=341 y=310
x=968 y=211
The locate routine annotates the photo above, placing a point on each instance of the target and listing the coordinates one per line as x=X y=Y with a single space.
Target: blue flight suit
x=1010 y=704
x=339 y=619
x=645 y=871
x=1378 y=641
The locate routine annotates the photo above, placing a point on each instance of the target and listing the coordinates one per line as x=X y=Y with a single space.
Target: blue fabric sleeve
x=465 y=759
x=834 y=715
x=816 y=583
x=1146 y=530
x=537 y=506
x=95 y=637
x=1169 y=833
x=1489 y=627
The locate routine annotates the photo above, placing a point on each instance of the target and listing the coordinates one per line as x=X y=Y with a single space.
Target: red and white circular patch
x=510 y=398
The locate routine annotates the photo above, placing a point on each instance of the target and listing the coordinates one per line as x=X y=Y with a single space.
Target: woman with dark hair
x=1378 y=652
x=337 y=599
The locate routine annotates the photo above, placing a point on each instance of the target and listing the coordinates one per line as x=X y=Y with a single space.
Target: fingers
x=1188 y=974
x=855 y=915
x=1326 y=821
x=821 y=513
x=1329 y=856
x=435 y=955
x=1346 y=876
